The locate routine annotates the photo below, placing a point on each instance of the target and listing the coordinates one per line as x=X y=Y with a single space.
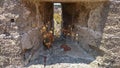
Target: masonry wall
x=89 y=22
x=10 y=33
x=24 y=32
x=111 y=36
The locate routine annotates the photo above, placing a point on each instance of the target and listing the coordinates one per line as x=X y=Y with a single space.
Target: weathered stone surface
x=30 y=39
x=111 y=40
x=87 y=18
x=10 y=45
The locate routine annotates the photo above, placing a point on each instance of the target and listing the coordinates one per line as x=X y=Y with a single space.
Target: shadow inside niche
x=57 y=55
x=75 y=55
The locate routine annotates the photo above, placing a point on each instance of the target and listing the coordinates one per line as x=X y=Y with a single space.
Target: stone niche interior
x=86 y=18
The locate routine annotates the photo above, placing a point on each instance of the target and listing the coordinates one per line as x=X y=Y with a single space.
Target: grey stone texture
x=97 y=24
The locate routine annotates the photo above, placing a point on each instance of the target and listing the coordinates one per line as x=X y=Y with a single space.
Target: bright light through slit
x=57 y=19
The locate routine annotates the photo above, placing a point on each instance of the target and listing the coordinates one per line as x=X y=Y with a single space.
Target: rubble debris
x=65 y=47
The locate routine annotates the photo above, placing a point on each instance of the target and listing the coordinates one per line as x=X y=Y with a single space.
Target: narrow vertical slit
x=57 y=18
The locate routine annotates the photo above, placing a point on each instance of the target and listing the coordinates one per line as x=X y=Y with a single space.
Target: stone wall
x=88 y=20
x=111 y=37
x=21 y=22
x=19 y=31
x=91 y=24
x=24 y=32
x=10 y=48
